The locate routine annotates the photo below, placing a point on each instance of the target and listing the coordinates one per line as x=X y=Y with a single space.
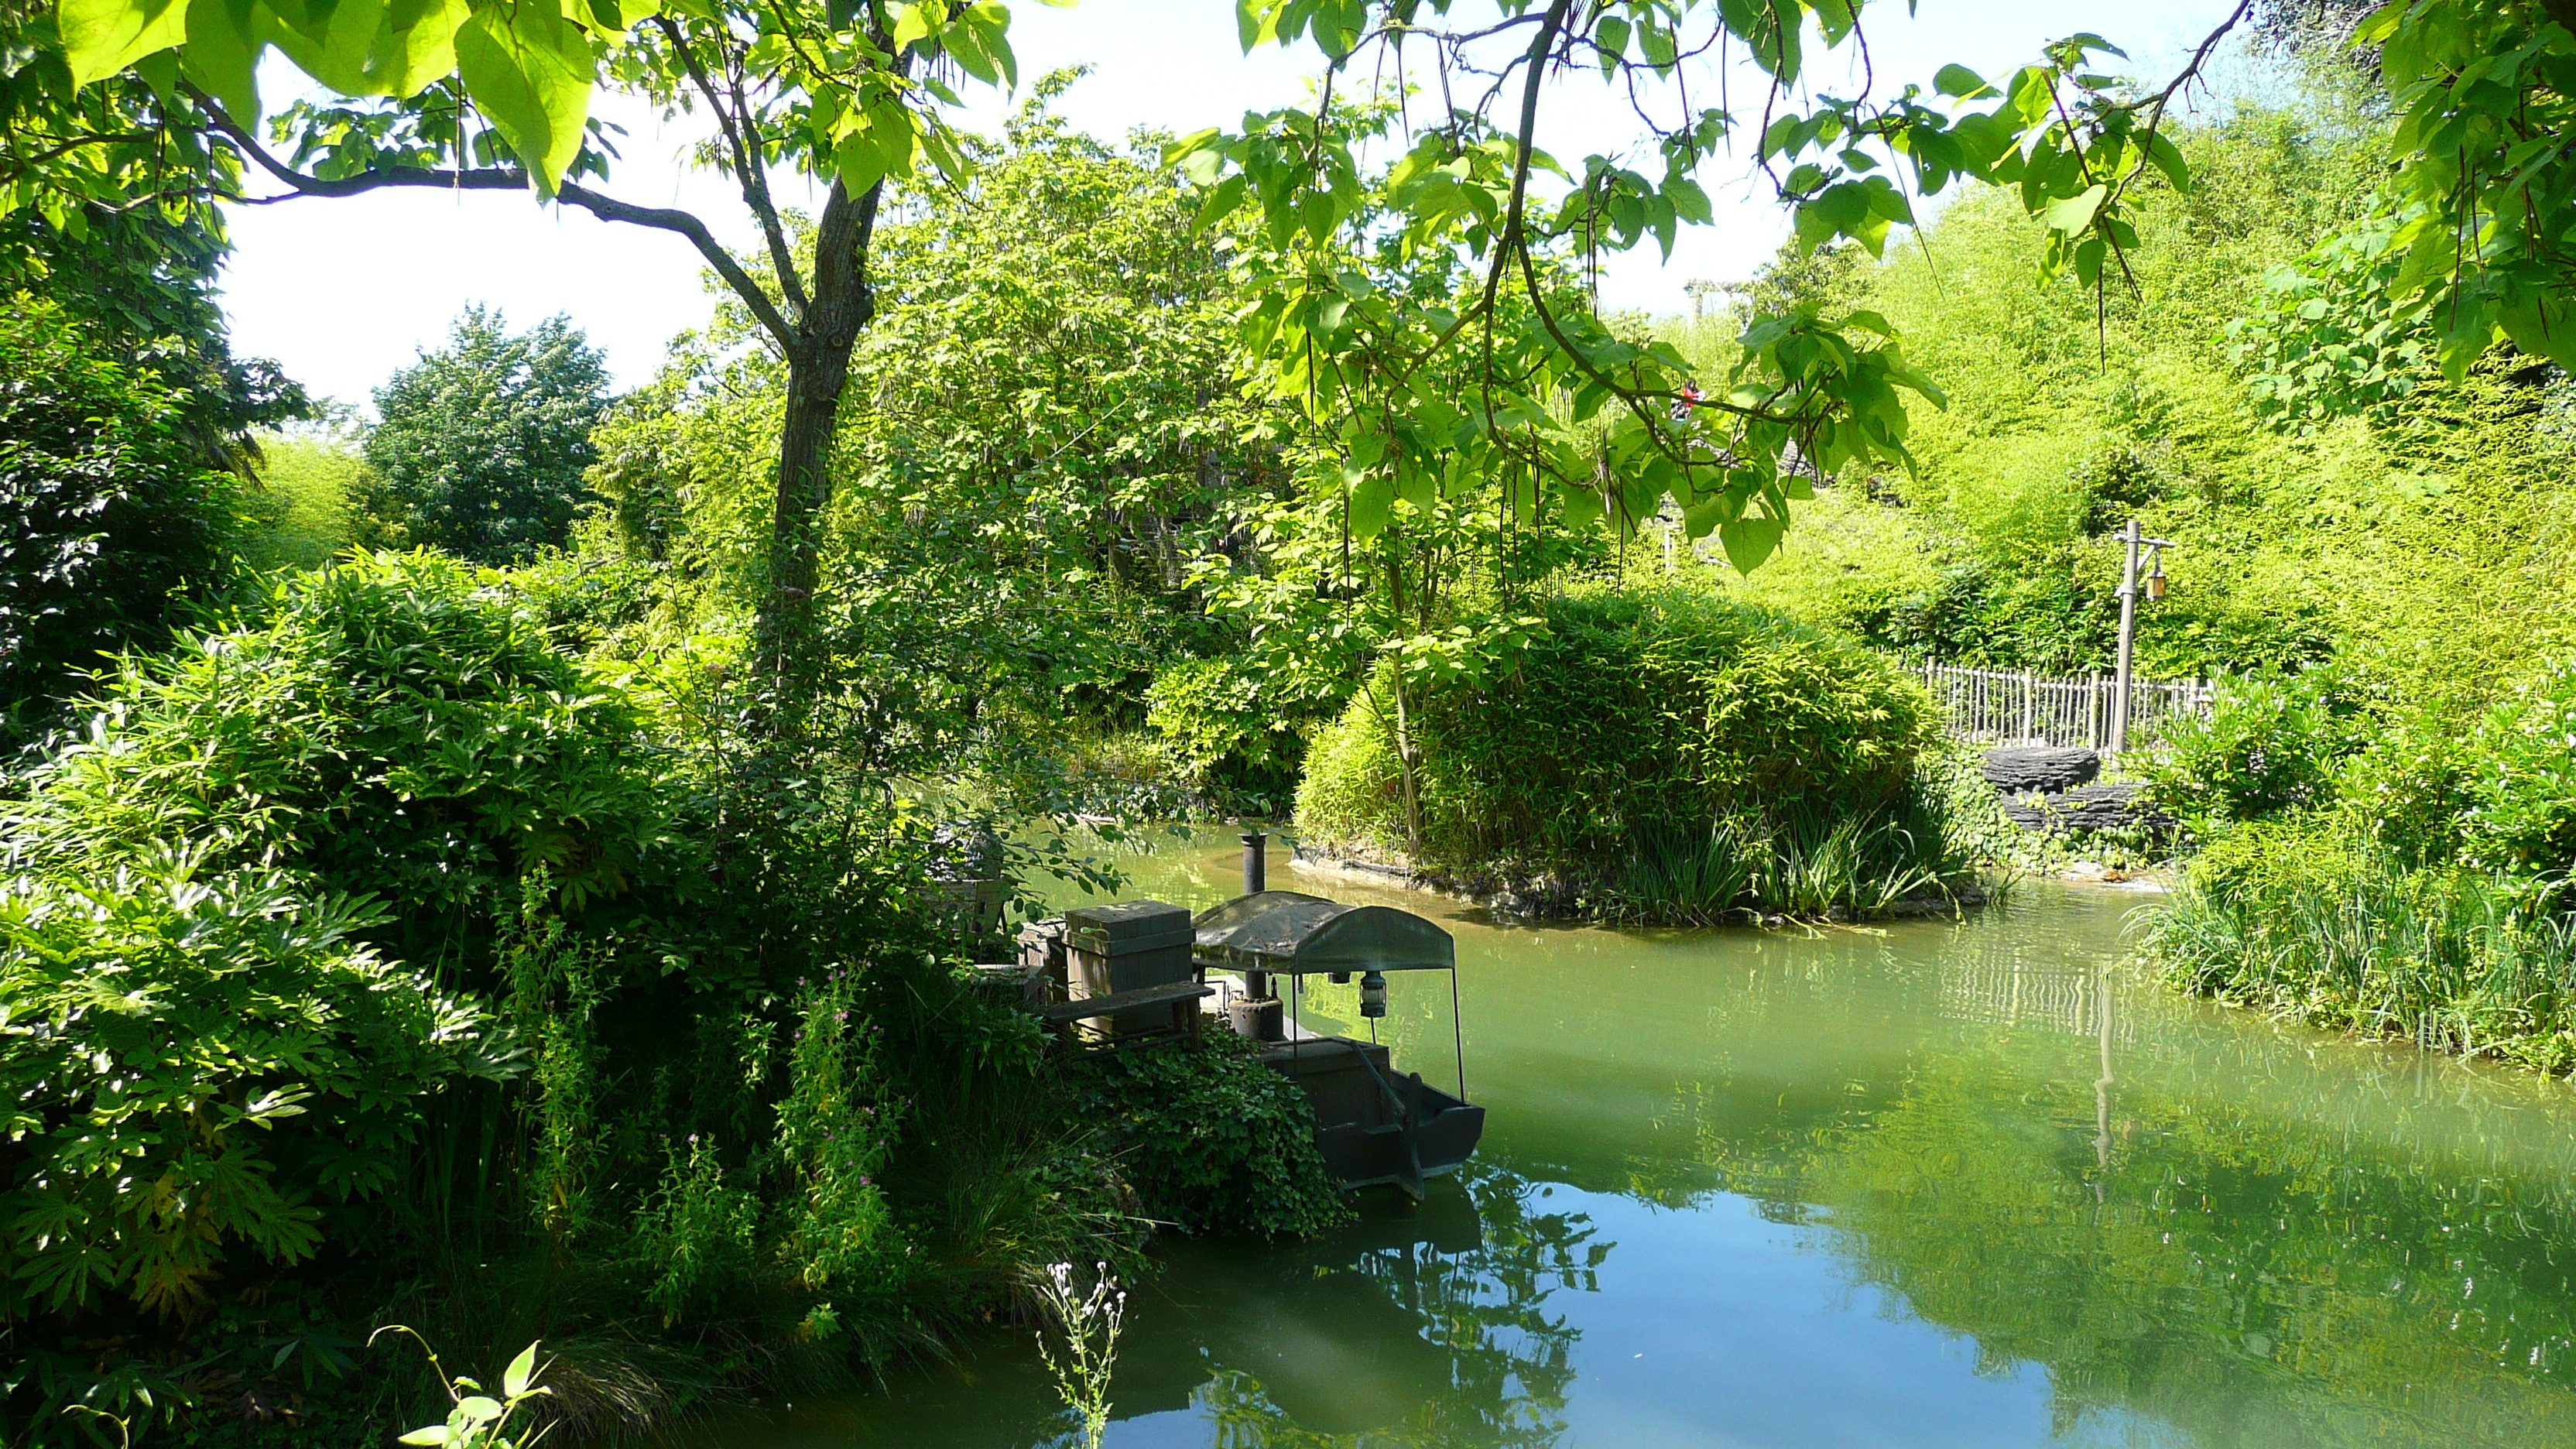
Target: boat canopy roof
x=1289 y=933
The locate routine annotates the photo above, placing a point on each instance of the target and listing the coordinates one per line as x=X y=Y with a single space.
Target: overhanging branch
x=502 y=178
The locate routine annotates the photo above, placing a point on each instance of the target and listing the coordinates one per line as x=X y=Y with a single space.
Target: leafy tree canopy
x=483 y=95
x=482 y=444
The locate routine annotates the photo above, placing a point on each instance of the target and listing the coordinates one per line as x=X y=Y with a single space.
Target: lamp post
x=2134 y=538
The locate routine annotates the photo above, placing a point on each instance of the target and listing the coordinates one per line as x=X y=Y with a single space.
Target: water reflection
x=1423 y=1326
x=2250 y=1238
x=1470 y=1350
x=1964 y=1184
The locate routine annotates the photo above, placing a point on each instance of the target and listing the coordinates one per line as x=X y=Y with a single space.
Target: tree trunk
x=1404 y=764
x=818 y=369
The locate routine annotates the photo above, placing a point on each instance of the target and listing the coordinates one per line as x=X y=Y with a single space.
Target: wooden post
x=2027 y=686
x=2130 y=538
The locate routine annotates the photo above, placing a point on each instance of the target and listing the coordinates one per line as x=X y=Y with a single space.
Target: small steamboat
x=1131 y=974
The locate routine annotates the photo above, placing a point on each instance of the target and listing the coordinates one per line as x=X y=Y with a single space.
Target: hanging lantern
x=2156 y=581
x=1373 y=994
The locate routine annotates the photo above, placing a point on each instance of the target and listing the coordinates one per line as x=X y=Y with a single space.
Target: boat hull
x=1376 y=1127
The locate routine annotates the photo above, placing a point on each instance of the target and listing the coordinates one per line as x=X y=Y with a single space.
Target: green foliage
x=2457 y=249
x=141 y=285
x=196 y=1060
x=2332 y=340
x=482 y=444
x=479 y=1421
x=2308 y=923
x=2478 y=95
x=1212 y=1140
x=2521 y=781
x=1674 y=731
x=697 y=1238
x=316 y=498
x=1224 y=735
x=2418 y=885
x=400 y=727
x=1051 y=441
x=836 y=1132
x=111 y=518
x=121 y=107
x=709 y=940
x=2406 y=787
x=1555 y=397
x=2415 y=547
x=2267 y=747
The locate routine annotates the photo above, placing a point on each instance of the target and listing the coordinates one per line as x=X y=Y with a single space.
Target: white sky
x=342 y=292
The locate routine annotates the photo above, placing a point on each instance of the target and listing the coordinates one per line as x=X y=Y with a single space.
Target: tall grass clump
x=1656 y=756
x=2415 y=883
x=2352 y=939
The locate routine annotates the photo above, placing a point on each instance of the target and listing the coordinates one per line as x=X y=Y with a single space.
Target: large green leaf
x=1750 y=540
x=417 y=46
x=221 y=58
x=530 y=70
x=878 y=142
x=329 y=39
x=102 y=37
x=1583 y=508
x=2075 y=213
x=1372 y=504
x=370 y=47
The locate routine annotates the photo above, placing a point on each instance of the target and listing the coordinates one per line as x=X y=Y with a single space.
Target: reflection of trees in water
x=2216 y=1272
x=2257 y=1238
x=1507 y=1358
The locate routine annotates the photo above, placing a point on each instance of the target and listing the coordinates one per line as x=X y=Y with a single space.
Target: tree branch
x=1511 y=235
x=745 y=286
x=754 y=180
x=499 y=178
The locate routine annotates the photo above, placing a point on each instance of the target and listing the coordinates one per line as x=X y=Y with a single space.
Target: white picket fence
x=2002 y=706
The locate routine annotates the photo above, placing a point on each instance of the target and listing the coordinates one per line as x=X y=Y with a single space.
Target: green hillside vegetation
x=2387 y=593
x=312 y=500
x=2429 y=545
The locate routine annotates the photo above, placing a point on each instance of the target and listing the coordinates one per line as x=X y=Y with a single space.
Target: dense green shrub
x=315 y=499
x=1637 y=740
x=1225 y=736
x=1211 y=1139
x=400 y=727
x=746 y=1096
x=2408 y=785
x=110 y=515
x=2521 y=817
x=2268 y=747
x=482 y=444
x=196 y=1063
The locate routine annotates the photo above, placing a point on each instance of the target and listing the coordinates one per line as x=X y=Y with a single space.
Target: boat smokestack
x=1256 y=863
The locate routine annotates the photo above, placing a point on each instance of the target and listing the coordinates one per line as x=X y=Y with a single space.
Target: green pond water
x=1941 y=1183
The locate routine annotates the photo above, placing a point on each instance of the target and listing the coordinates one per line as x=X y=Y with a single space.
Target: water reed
x=2456 y=961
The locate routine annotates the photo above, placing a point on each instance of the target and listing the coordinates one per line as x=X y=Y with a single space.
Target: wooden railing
x=2002 y=706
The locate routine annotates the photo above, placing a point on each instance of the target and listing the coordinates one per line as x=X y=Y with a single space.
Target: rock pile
x=2014 y=769
x=2049 y=789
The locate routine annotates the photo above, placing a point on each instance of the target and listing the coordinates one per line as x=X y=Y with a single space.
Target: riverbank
x=1552 y=901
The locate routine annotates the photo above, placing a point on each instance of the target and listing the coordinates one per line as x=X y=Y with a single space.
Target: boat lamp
x=1373 y=994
